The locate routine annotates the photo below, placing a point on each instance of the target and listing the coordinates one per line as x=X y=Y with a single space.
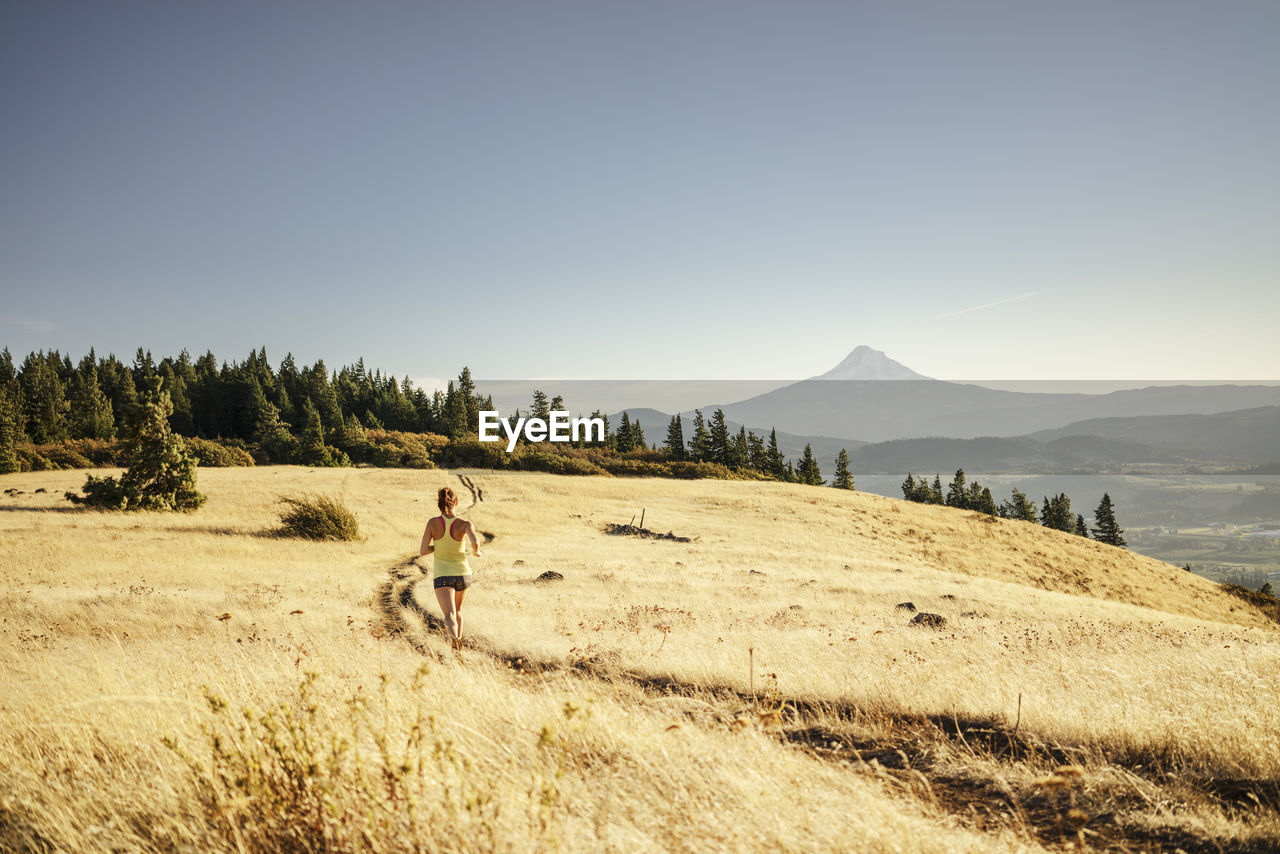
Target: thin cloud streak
x=985 y=306
x=44 y=327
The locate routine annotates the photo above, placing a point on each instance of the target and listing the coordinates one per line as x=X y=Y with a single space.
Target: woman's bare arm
x=426 y=548
x=471 y=533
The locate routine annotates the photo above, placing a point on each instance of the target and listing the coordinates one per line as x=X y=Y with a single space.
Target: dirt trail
x=905 y=750
x=477 y=494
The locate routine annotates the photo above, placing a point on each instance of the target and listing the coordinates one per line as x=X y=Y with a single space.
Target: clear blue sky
x=648 y=189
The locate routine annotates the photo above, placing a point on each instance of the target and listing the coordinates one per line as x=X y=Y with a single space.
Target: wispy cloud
x=985 y=305
x=1202 y=335
x=42 y=326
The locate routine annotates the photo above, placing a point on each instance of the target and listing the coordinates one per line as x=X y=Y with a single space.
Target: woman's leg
x=445 y=596
x=457 y=607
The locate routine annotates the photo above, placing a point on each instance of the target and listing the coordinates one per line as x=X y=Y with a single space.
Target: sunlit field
x=194 y=682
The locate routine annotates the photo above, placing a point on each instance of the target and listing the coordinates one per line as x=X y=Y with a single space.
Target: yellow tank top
x=449 y=554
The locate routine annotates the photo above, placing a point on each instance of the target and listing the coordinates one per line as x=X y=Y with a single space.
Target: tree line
x=239 y=412
x=296 y=414
x=1055 y=512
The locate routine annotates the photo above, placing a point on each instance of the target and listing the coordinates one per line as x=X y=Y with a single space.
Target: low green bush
x=527 y=459
x=394 y=449
x=29 y=459
x=472 y=453
x=218 y=455
x=1264 y=602
x=317 y=517
x=635 y=468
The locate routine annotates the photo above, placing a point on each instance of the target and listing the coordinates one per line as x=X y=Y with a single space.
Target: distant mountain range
x=891 y=419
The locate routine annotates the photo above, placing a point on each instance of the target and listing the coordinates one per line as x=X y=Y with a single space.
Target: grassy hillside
x=755 y=688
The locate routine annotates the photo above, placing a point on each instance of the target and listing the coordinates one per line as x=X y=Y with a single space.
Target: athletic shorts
x=457 y=582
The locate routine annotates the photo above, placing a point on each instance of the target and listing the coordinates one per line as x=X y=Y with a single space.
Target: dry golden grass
x=628 y=722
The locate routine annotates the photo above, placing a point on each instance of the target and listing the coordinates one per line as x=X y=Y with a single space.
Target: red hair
x=447 y=499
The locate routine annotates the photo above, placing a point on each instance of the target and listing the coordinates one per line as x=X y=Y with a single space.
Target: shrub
x=29 y=459
x=61 y=456
x=217 y=455
x=636 y=468
x=317 y=517
x=102 y=493
x=69 y=454
x=1268 y=605
x=394 y=449
x=472 y=453
x=527 y=459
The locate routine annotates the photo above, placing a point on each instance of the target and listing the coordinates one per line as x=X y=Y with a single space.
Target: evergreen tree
x=719 y=432
x=808 y=472
x=471 y=401
x=1018 y=507
x=958 y=491
x=162 y=470
x=1082 y=530
x=7 y=372
x=44 y=398
x=352 y=440
x=321 y=392
x=312 y=450
x=608 y=437
x=983 y=501
x=935 y=492
x=739 y=451
x=1105 y=528
x=272 y=434
x=182 y=420
x=144 y=369
x=1056 y=513
x=540 y=408
x=909 y=487
x=293 y=389
x=675 y=438
x=90 y=415
x=700 y=441
x=207 y=408
x=757 y=455
x=400 y=413
x=843 y=479
x=776 y=461
x=623 y=439
x=557 y=404
x=1266 y=590
x=455 y=413
x=183 y=369
x=8 y=427
x=974 y=496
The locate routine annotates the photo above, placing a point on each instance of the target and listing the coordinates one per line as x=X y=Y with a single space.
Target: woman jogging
x=451 y=574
